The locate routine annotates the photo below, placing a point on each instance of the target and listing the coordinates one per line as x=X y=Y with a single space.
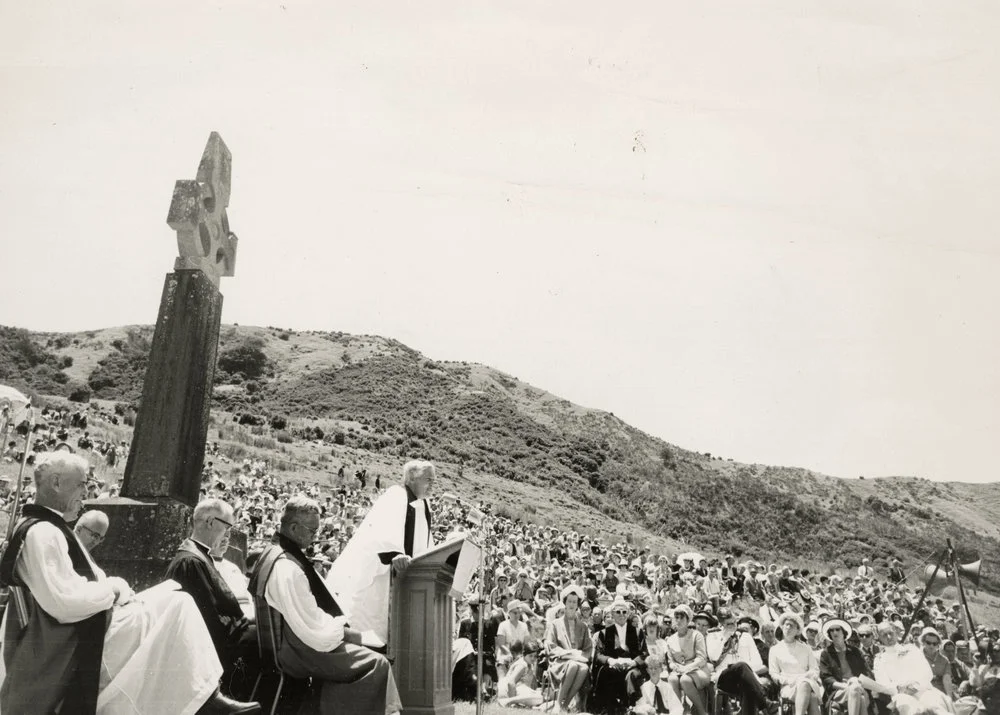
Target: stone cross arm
x=198 y=215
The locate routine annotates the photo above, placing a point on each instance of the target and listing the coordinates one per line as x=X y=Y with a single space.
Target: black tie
x=658 y=700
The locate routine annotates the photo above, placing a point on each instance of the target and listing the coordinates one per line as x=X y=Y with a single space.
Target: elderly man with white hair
x=91 y=528
x=396 y=529
x=81 y=642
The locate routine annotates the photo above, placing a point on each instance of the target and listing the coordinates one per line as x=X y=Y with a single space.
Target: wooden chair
x=302 y=696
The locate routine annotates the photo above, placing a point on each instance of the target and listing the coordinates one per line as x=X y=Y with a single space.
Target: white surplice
x=358 y=579
x=288 y=592
x=158 y=656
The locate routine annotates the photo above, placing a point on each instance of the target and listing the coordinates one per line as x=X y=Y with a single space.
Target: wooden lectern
x=421 y=619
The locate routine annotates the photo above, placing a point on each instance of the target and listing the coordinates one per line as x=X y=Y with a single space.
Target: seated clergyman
x=317 y=641
x=85 y=641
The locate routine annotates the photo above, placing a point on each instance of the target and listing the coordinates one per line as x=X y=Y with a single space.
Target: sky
x=763 y=230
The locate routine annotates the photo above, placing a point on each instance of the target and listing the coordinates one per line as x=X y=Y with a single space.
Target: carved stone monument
x=163 y=471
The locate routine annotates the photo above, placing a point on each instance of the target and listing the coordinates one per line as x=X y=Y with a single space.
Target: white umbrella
x=16 y=398
x=692 y=556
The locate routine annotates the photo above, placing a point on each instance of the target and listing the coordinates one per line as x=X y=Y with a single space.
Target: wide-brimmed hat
x=837 y=623
x=749 y=619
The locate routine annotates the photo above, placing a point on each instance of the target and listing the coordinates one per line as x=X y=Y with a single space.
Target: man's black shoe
x=219 y=704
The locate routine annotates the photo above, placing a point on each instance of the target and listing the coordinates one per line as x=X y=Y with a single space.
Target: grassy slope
x=542 y=458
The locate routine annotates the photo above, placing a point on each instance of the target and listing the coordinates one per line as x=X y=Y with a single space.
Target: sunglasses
x=620 y=611
x=932 y=642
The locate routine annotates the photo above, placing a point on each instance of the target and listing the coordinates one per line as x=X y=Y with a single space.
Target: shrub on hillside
x=279 y=422
x=80 y=393
x=120 y=374
x=27 y=365
x=246 y=359
x=283 y=436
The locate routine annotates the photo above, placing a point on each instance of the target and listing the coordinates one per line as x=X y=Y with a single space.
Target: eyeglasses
x=97 y=537
x=229 y=525
x=620 y=612
x=932 y=642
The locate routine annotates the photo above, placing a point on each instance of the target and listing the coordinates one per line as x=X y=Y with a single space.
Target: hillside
x=310 y=401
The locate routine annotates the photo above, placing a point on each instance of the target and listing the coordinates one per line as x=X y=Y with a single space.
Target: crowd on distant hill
x=539 y=578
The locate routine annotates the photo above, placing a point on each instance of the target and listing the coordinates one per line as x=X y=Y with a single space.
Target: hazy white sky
x=766 y=230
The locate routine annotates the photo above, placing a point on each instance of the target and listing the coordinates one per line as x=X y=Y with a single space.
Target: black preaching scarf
x=324 y=599
x=410 y=524
x=90 y=631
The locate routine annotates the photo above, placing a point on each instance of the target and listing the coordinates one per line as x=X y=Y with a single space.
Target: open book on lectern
x=460 y=553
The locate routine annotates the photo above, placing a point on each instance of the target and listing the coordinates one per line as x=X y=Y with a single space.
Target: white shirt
x=745 y=652
x=622 y=630
x=288 y=592
x=237 y=583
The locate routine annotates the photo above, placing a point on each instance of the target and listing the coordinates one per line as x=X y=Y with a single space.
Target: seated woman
x=655 y=644
x=843 y=670
x=519 y=687
x=511 y=630
x=687 y=655
x=570 y=649
x=793 y=666
x=930 y=644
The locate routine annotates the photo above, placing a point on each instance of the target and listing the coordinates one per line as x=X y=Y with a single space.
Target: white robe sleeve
x=45 y=567
x=288 y=592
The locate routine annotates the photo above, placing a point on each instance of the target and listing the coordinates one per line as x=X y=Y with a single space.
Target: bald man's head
x=91 y=528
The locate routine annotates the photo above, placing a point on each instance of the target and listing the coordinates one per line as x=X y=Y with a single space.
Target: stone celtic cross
x=198 y=215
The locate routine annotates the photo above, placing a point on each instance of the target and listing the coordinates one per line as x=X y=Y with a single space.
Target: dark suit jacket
x=830 y=671
x=607 y=645
x=193 y=569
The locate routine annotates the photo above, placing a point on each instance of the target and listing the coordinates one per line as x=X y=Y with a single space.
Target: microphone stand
x=479 y=626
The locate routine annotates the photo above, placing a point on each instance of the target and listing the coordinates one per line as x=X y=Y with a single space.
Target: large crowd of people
x=574 y=623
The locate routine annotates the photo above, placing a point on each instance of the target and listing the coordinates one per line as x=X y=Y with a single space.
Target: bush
x=246 y=359
x=65 y=361
x=283 y=436
x=284 y=336
x=81 y=393
x=339 y=437
x=279 y=422
x=246 y=418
